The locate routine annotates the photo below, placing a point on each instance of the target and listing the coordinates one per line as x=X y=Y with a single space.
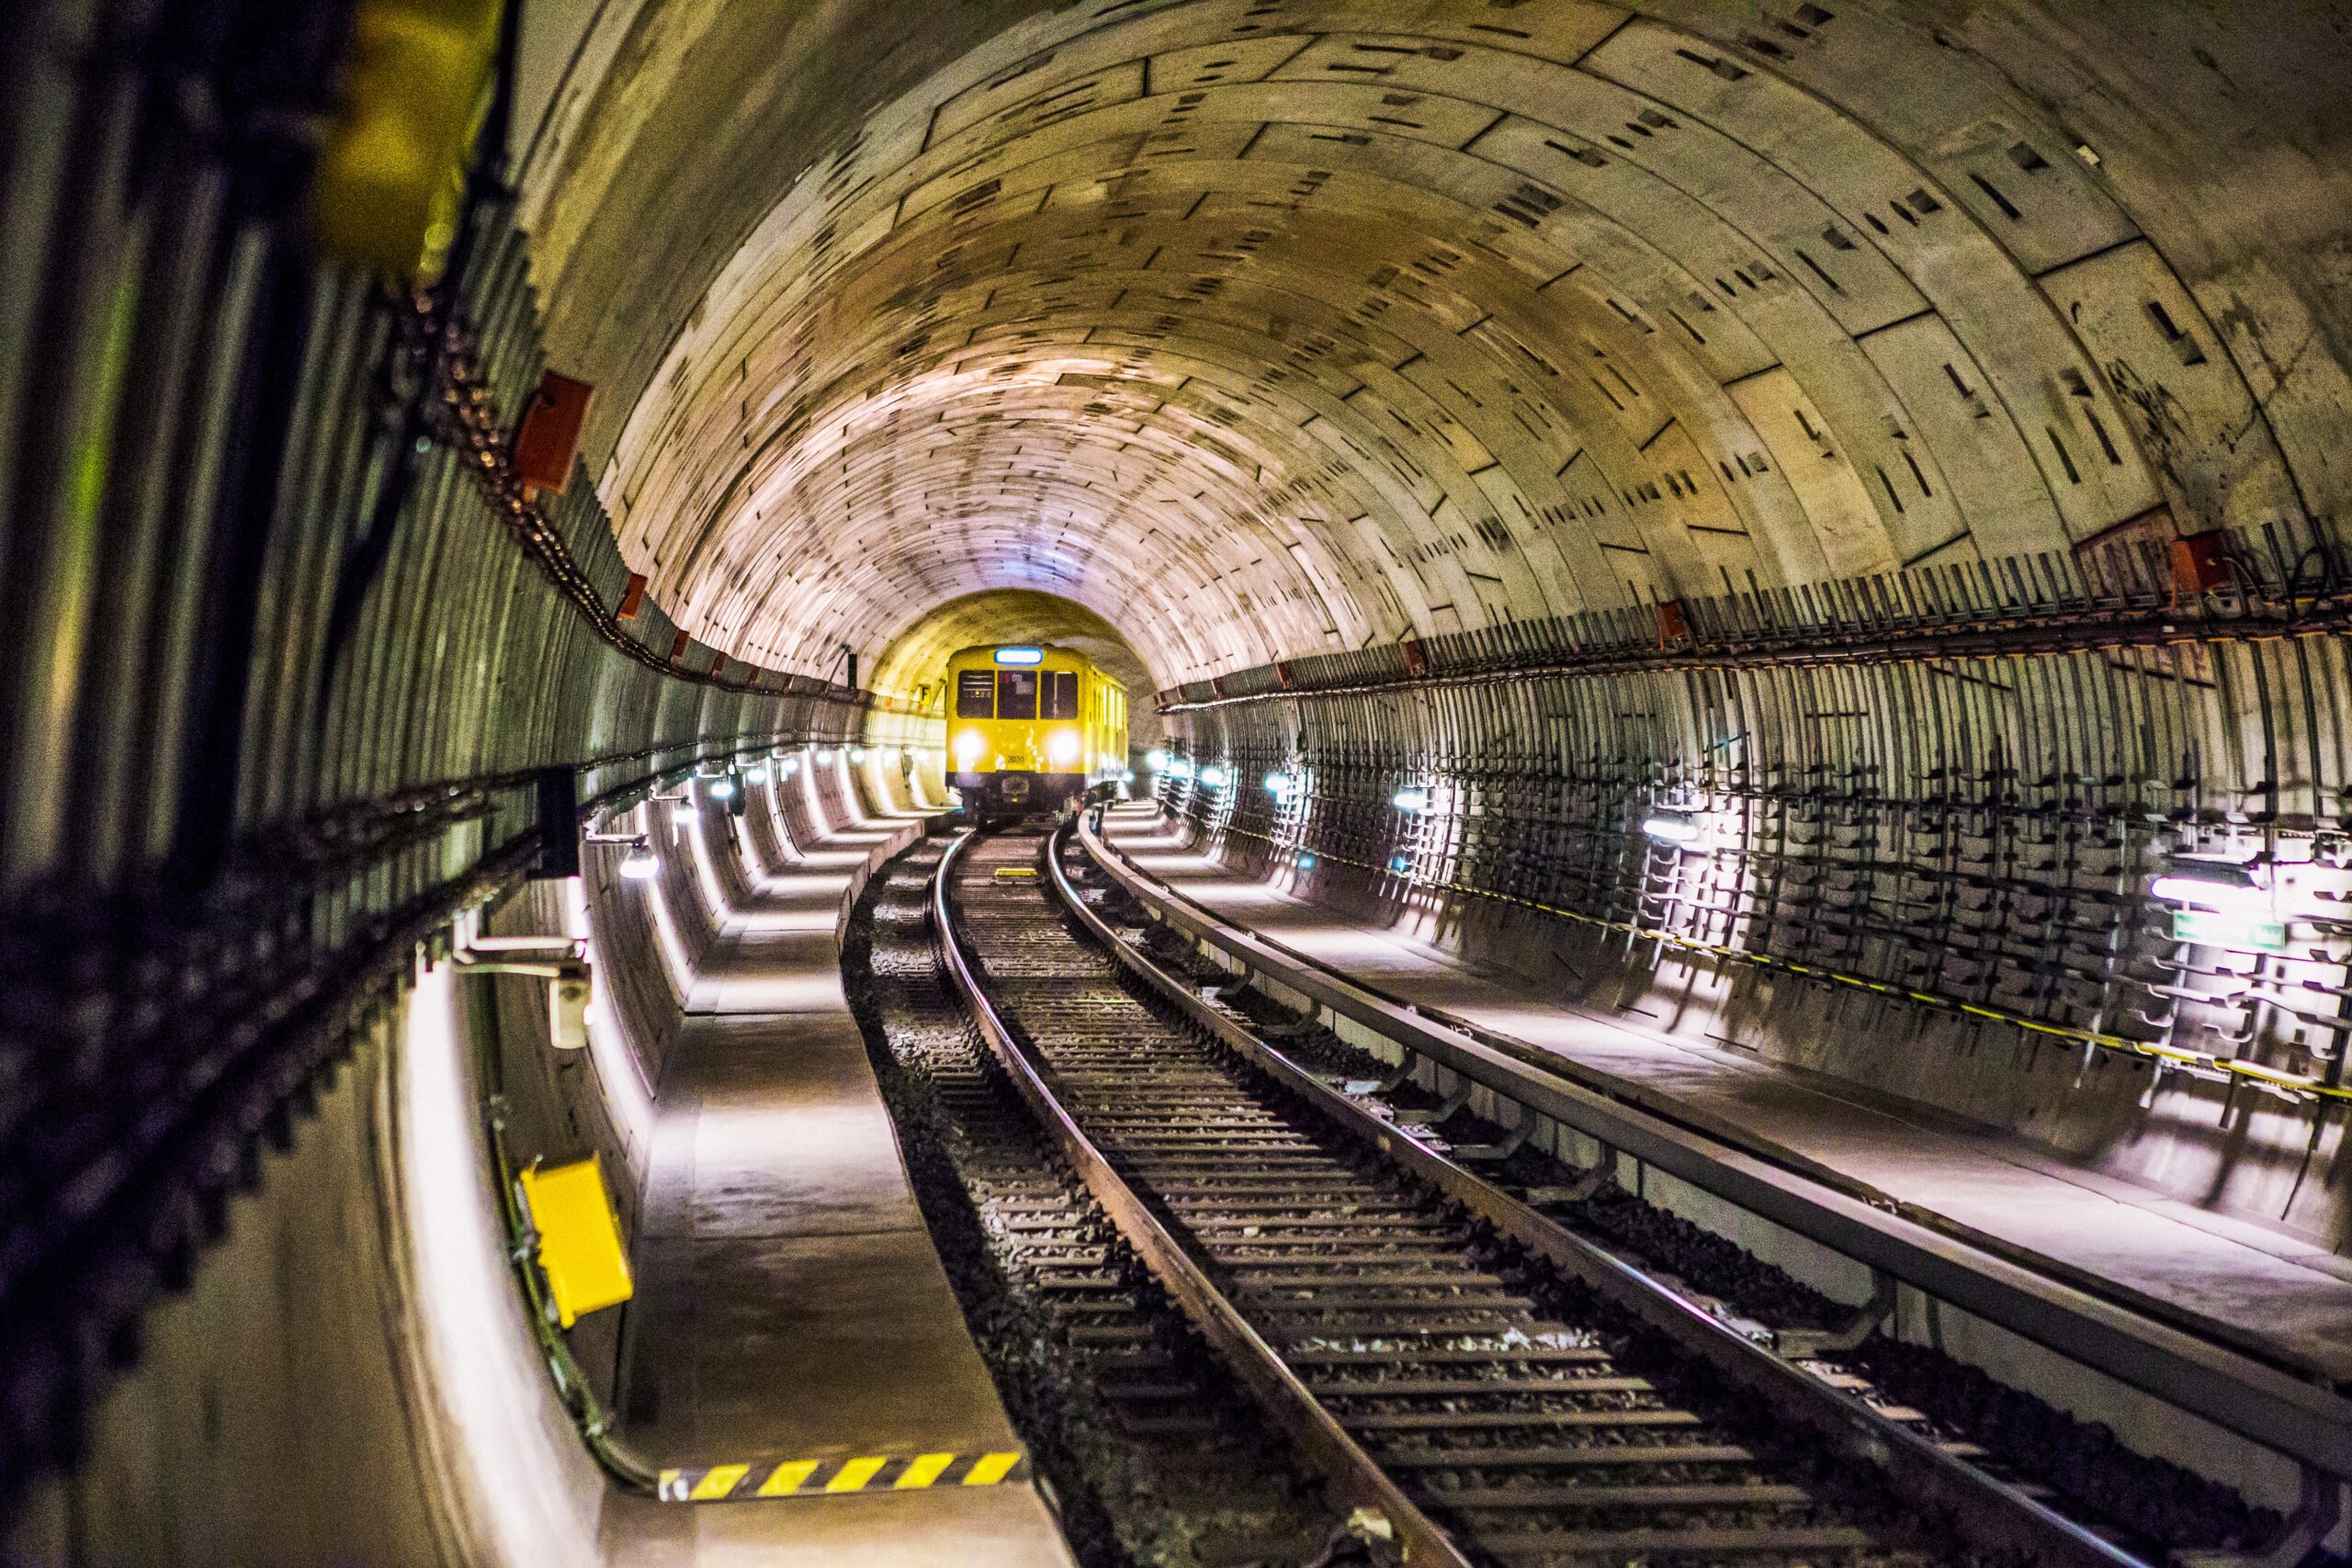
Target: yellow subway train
x=1031 y=728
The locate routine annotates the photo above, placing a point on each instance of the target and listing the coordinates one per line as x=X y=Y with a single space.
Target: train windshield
x=976 y=694
x=1016 y=693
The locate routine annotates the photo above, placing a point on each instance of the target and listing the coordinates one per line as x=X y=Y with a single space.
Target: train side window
x=1016 y=693
x=1060 y=692
x=975 y=694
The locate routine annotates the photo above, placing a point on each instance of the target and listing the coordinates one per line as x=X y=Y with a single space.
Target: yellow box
x=580 y=1242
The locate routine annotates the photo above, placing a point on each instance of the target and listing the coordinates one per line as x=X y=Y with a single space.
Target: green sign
x=2216 y=928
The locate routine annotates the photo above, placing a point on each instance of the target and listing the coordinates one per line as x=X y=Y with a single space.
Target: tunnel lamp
x=1305 y=861
x=639 y=864
x=1671 y=826
x=757 y=773
x=2209 y=885
x=1126 y=776
x=1401 y=863
x=1282 y=785
x=685 y=812
x=789 y=767
x=1412 y=801
x=1156 y=760
x=722 y=788
x=1179 y=769
x=1213 y=777
x=857 y=754
x=824 y=754
x=1062 y=747
x=969 y=747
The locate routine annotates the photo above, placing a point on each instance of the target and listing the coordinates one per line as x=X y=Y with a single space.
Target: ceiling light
x=1671 y=826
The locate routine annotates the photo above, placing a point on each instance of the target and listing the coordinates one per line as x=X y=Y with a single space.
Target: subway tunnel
x=1731 y=645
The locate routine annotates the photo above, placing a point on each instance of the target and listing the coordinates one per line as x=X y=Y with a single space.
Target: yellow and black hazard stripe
x=833 y=1477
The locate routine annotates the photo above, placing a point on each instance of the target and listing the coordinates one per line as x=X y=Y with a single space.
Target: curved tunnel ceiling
x=1264 y=328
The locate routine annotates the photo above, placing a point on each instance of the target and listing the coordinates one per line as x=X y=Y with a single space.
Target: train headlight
x=969 y=747
x=1062 y=747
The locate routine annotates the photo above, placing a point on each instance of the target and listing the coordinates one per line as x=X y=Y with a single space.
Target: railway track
x=1481 y=1386
x=1150 y=1458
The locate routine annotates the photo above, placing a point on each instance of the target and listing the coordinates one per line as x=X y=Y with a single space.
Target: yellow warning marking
x=719 y=1481
x=787 y=1478
x=1010 y=873
x=991 y=1469
x=922 y=1470
x=854 y=1474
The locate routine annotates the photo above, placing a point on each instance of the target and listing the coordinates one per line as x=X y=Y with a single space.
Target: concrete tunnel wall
x=357 y=1336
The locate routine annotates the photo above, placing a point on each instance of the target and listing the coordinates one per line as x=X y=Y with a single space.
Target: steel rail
x=2266 y=1403
x=1989 y=1513
x=1358 y=1481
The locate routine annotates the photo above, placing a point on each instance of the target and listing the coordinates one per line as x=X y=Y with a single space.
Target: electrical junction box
x=548 y=437
x=580 y=1241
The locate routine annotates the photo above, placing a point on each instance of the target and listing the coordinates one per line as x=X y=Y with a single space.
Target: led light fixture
x=857 y=754
x=1282 y=785
x=1156 y=760
x=2209 y=884
x=1671 y=826
x=1415 y=801
x=639 y=864
x=1020 y=655
x=722 y=788
x=1213 y=776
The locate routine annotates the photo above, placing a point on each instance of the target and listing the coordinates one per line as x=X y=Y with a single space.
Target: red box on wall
x=633 y=596
x=2199 y=564
x=1417 y=657
x=1673 y=626
x=678 y=647
x=549 y=437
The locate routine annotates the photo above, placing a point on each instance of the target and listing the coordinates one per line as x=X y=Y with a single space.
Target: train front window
x=975 y=694
x=1060 y=694
x=1016 y=693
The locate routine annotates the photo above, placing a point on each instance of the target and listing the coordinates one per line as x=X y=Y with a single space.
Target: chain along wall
x=289 y=660
x=1927 y=874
